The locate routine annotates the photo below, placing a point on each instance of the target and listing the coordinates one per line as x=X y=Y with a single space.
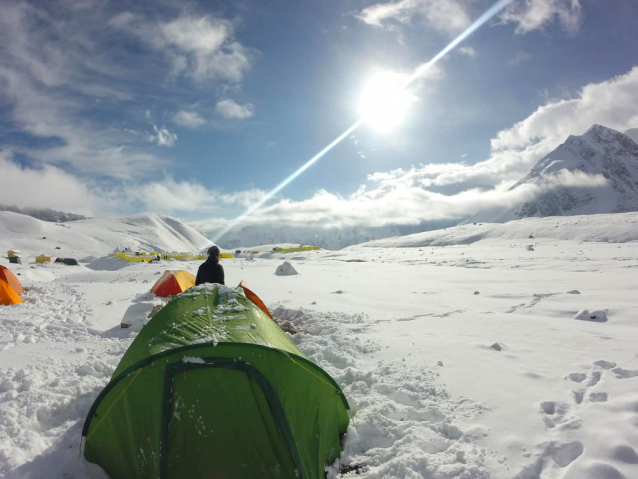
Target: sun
x=384 y=101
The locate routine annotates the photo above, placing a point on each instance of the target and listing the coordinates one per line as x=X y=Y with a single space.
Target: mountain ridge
x=142 y=232
x=600 y=152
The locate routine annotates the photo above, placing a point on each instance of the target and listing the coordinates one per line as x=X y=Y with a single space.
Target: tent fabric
x=7 y=276
x=286 y=269
x=211 y=387
x=8 y=295
x=254 y=298
x=67 y=261
x=171 y=283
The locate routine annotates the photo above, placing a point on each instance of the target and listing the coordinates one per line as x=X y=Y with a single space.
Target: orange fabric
x=172 y=283
x=7 y=294
x=255 y=299
x=11 y=280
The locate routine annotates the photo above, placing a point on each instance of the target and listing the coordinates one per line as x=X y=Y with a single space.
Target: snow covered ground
x=463 y=360
x=79 y=239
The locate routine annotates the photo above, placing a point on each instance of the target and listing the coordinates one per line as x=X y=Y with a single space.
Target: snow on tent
x=8 y=295
x=11 y=280
x=211 y=387
x=286 y=269
x=171 y=283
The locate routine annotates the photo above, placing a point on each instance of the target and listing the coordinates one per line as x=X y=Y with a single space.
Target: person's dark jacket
x=210 y=271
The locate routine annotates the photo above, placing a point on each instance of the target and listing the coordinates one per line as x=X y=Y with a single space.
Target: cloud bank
x=453 y=16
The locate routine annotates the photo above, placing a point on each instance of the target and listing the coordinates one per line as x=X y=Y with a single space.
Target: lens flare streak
x=285 y=183
x=479 y=22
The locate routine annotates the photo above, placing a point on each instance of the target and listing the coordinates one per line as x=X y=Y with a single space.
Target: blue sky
x=197 y=110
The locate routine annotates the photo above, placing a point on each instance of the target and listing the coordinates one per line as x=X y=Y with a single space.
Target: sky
x=198 y=109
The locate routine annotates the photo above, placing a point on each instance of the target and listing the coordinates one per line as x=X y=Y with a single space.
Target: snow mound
x=89 y=259
x=596 y=316
x=607 y=228
x=108 y=263
x=286 y=269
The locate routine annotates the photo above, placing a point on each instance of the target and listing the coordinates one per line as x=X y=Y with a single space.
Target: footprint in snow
x=577 y=377
x=598 y=397
x=625 y=373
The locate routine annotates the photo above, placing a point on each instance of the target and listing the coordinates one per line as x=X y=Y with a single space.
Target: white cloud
x=200 y=47
x=405 y=196
x=519 y=57
x=532 y=15
x=469 y=51
x=399 y=199
x=232 y=110
x=162 y=137
x=453 y=16
x=53 y=78
x=189 y=119
x=47 y=186
x=447 y=16
x=514 y=150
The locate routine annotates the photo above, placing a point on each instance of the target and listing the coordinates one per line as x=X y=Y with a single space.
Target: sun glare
x=384 y=101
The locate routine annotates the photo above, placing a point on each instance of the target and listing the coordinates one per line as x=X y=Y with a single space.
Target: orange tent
x=172 y=283
x=7 y=294
x=255 y=299
x=10 y=279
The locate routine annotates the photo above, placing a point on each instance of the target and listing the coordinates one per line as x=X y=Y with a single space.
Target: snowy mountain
x=599 y=151
x=96 y=236
x=44 y=214
x=332 y=239
x=603 y=228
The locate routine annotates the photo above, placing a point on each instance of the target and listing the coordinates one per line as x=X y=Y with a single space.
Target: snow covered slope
x=332 y=239
x=96 y=236
x=610 y=228
x=600 y=151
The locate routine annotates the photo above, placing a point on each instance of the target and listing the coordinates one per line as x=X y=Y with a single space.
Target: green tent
x=211 y=387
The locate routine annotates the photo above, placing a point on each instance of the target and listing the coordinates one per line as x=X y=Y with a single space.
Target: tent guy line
x=479 y=22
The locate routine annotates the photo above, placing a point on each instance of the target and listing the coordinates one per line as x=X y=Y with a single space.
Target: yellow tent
x=7 y=294
x=172 y=283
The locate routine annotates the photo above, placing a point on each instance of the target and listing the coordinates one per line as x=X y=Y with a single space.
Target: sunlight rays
x=374 y=111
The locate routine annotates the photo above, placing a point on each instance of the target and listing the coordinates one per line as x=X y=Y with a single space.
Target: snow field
x=404 y=421
x=459 y=361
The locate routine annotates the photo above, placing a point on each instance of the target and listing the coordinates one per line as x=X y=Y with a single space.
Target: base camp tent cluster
x=10 y=287
x=212 y=387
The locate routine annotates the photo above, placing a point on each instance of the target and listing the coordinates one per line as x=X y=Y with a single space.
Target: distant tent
x=8 y=295
x=254 y=298
x=171 y=283
x=211 y=387
x=67 y=261
x=7 y=276
x=286 y=269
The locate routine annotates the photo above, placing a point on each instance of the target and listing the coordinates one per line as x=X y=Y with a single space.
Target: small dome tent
x=286 y=269
x=171 y=283
x=8 y=295
x=211 y=387
x=7 y=276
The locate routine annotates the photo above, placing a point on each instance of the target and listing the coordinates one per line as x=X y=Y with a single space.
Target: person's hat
x=213 y=251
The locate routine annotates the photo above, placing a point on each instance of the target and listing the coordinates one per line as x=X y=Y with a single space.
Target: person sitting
x=210 y=271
